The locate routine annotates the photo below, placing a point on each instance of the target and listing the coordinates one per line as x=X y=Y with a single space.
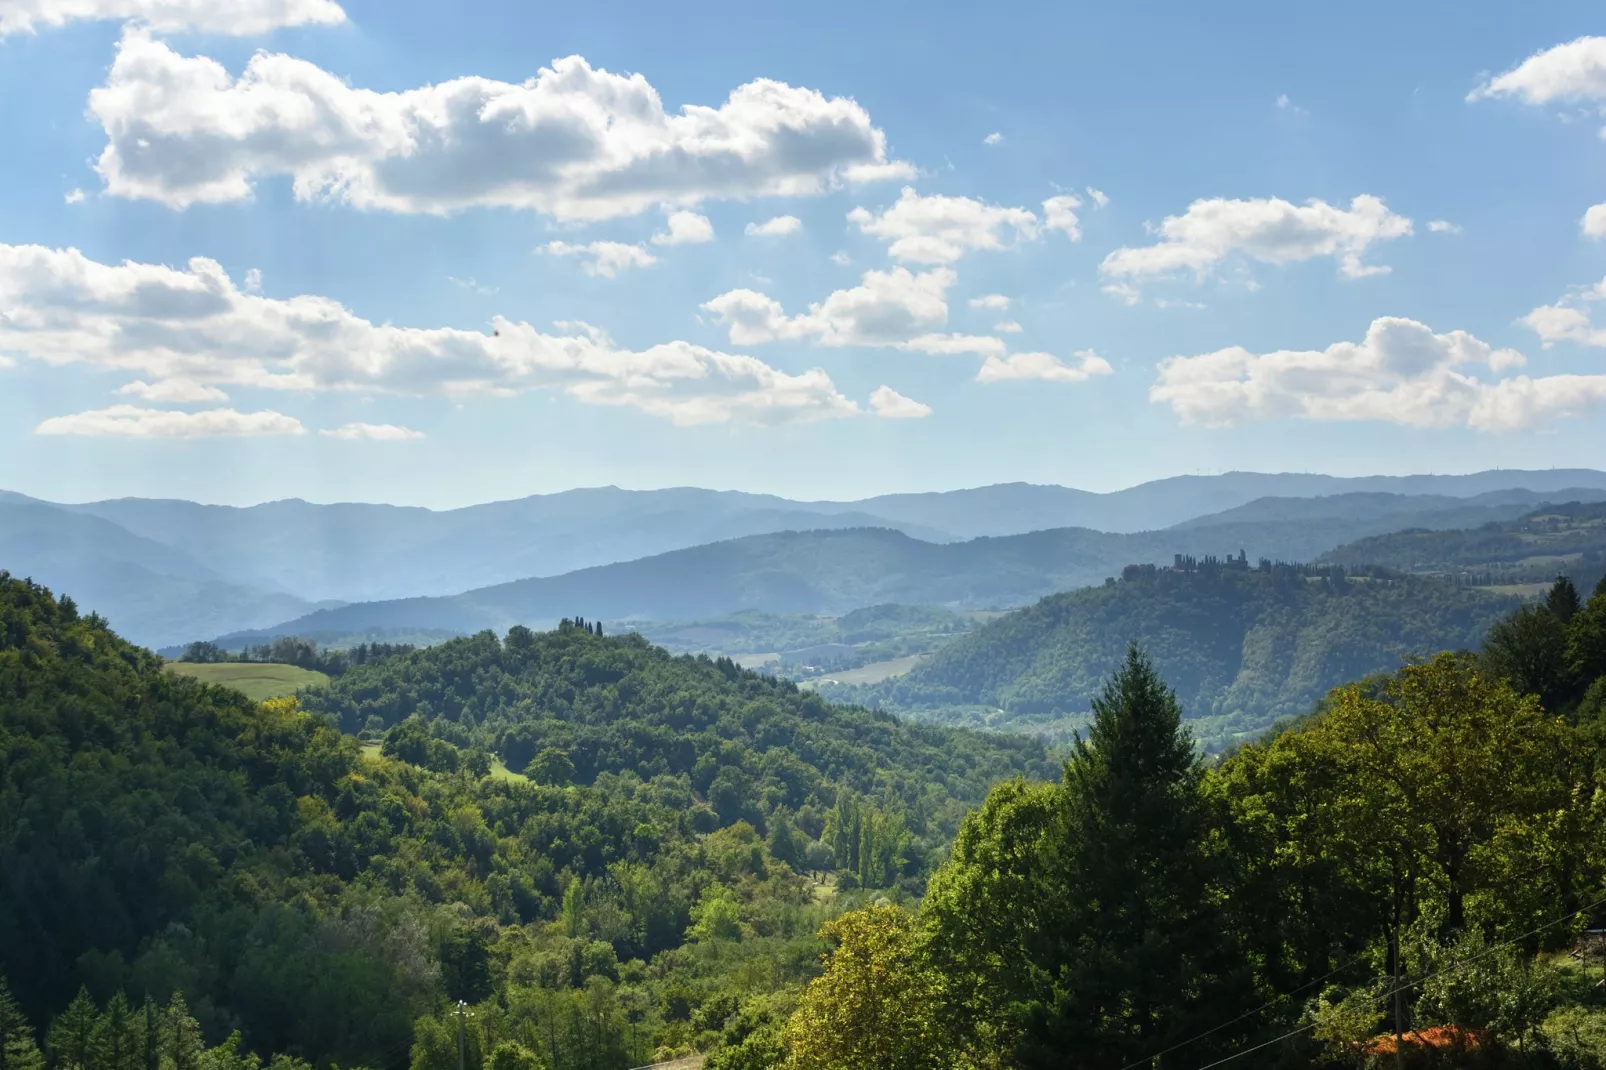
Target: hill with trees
x=1533 y=548
x=1242 y=646
x=192 y=880
x=612 y=844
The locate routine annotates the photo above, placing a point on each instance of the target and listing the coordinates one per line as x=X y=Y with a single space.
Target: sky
x=436 y=254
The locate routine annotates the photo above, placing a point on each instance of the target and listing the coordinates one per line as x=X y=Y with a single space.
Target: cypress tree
x=1140 y=956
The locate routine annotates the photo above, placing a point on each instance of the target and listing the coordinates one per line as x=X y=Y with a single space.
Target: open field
x=257 y=680
x=873 y=673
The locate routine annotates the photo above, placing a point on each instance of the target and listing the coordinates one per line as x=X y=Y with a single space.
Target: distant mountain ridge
x=204 y=570
x=834 y=572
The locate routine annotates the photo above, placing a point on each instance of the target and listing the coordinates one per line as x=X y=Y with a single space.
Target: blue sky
x=1231 y=305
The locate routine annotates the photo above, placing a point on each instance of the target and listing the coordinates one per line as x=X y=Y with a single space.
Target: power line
x=1452 y=968
x=1246 y=1014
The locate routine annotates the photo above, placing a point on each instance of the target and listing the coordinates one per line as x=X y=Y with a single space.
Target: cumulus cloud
x=604 y=258
x=1594 y=221
x=1098 y=197
x=1443 y=226
x=889 y=404
x=1007 y=327
x=1401 y=372
x=1043 y=366
x=574 y=142
x=940 y=230
x=1059 y=214
x=74 y=196
x=1570 y=73
x=996 y=302
x=195 y=326
x=841 y=259
x=778 y=227
x=994 y=138
x=239 y=17
x=685 y=228
x=1569 y=320
x=132 y=421
x=894 y=309
x=1270 y=230
x=372 y=432
x=173 y=391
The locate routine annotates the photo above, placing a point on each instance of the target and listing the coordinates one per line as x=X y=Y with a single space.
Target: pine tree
x=18 y=1048
x=150 y=1036
x=1563 y=600
x=1140 y=957
x=119 y=1030
x=181 y=1037
x=74 y=1038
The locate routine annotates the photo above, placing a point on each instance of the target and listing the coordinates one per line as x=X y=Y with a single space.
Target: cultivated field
x=258 y=681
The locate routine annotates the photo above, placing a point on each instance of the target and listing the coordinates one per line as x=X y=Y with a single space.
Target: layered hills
x=1243 y=646
x=173 y=571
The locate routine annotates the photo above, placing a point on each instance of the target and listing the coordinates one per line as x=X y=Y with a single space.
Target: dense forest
x=569 y=850
x=1532 y=548
x=1242 y=645
x=684 y=829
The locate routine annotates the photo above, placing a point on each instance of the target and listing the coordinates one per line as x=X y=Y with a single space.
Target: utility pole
x=461 y=1006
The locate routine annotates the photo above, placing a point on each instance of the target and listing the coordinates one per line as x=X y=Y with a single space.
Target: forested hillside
x=1567 y=538
x=1242 y=646
x=642 y=884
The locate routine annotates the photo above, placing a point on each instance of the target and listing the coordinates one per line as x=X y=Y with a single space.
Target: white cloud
x=1059 y=214
x=1572 y=72
x=940 y=230
x=1043 y=366
x=574 y=142
x=888 y=309
x=172 y=391
x=1569 y=319
x=240 y=17
x=75 y=196
x=1098 y=196
x=995 y=302
x=889 y=404
x=685 y=228
x=1283 y=101
x=778 y=227
x=841 y=258
x=1128 y=294
x=470 y=284
x=604 y=258
x=195 y=325
x=253 y=281
x=373 y=432
x=1401 y=372
x=1594 y=221
x=1007 y=327
x=131 y=421
x=1270 y=230
x=994 y=138
x=1443 y=226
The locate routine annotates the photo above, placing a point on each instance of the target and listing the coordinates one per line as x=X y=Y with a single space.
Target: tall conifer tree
x=1140 y=957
